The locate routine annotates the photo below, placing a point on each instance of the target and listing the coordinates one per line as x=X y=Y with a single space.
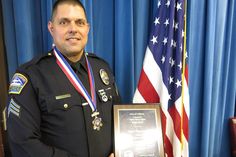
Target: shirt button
x=65 y=106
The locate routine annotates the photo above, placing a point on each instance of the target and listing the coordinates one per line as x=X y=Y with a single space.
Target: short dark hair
x=72 y=2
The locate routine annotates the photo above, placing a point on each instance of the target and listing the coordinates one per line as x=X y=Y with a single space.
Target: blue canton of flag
x=166 y=44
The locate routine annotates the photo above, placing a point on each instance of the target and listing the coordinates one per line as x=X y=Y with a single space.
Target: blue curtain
x=212 y=64
x=25 y=29
x=119 y=34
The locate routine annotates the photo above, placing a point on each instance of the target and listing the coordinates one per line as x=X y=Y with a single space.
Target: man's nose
x=73 y=27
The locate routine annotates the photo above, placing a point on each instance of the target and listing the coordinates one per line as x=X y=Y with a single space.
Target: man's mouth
x=73 y=39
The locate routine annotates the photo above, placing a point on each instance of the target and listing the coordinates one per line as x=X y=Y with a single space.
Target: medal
x=97 y=122
x=75 y=81
x=104 y=76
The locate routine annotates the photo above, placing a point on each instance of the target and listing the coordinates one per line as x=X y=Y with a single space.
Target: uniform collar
x=79 y=65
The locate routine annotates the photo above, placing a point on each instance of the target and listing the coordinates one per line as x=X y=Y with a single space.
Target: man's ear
x=50 y=27
x=88 y=28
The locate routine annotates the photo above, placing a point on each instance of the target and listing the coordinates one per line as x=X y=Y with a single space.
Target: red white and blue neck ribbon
x=75 y=81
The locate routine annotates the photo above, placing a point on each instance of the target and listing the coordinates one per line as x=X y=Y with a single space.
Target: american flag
x=164 y=75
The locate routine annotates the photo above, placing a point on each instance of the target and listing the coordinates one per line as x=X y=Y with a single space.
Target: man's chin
x=74 y=52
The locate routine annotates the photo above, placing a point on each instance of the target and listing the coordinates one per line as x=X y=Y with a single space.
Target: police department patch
x=17 y=83
x=104 y=76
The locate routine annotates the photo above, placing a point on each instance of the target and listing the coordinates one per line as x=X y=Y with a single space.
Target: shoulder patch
x=17 y=83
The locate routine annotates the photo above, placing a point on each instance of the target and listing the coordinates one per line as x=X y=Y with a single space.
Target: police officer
x=60 y=105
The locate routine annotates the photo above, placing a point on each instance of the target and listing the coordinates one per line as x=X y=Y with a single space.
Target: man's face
x=69 y=29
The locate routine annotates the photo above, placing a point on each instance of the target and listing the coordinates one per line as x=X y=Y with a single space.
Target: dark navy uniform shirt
x=47 y=117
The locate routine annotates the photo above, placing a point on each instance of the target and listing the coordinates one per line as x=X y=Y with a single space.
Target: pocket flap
x=53 y=103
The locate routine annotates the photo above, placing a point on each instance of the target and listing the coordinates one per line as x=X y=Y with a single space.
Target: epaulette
x=95 y=56
x=20 y=79
x=37 y=60
x=91 y=55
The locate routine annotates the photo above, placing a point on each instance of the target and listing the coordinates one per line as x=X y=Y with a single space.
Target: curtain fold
x=45 y=15
x=142 y=17
x=10 y=40
x=25 y=27
x=119 y=32
x=124 y=47
x=210 y=48
x=103 y=32
x=89 y=12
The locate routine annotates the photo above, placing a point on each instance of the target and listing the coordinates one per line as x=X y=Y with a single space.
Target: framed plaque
x=138 y=131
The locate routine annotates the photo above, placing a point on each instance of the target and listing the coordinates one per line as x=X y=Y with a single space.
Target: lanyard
x=75 y=81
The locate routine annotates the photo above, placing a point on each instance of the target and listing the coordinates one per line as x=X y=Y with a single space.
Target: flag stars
x=154 y=39
x=168 y=3
x=172 y=62
x=181 y=48
x=169 y=97
x=180 y=65
x=179 y=6
x=173 y=43
x=176 y=26
x=166 y=43
x=171 y=80
x=166 y=22
x=165 y=40
x=157 y=21
x=178 y=83
x=163 y=59
x=159 y=4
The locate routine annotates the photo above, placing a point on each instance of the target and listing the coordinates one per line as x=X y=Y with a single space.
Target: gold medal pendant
x=97 y=122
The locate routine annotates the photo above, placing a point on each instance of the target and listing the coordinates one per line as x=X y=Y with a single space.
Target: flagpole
x=183 y=73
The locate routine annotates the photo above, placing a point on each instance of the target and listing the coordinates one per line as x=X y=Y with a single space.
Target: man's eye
x=63 y=23
x=81 y=23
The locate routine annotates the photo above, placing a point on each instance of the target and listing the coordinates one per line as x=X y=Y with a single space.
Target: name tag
x=63 y=96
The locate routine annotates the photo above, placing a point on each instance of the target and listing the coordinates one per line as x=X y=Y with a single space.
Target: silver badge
x=104 y=77
x=97 y=122
x=103 y=95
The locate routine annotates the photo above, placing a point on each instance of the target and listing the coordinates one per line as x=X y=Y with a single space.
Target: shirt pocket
x=65 y=114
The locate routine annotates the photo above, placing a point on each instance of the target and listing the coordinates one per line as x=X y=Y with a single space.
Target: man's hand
x=112 y=155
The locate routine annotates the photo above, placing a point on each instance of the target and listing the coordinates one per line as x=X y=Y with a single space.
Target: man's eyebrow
x=64 y=19
x=77 y=19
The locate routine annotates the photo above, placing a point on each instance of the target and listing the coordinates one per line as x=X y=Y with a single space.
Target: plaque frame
x=137 y=109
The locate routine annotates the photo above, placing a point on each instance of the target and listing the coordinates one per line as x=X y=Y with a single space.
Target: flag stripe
x=147 y=90
x=168 y=148
x=167 y=144
x=186 y=74
x=185 y=125
x=160 y=89
x=177 y=120
x=153 y=71
x=139 y=97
